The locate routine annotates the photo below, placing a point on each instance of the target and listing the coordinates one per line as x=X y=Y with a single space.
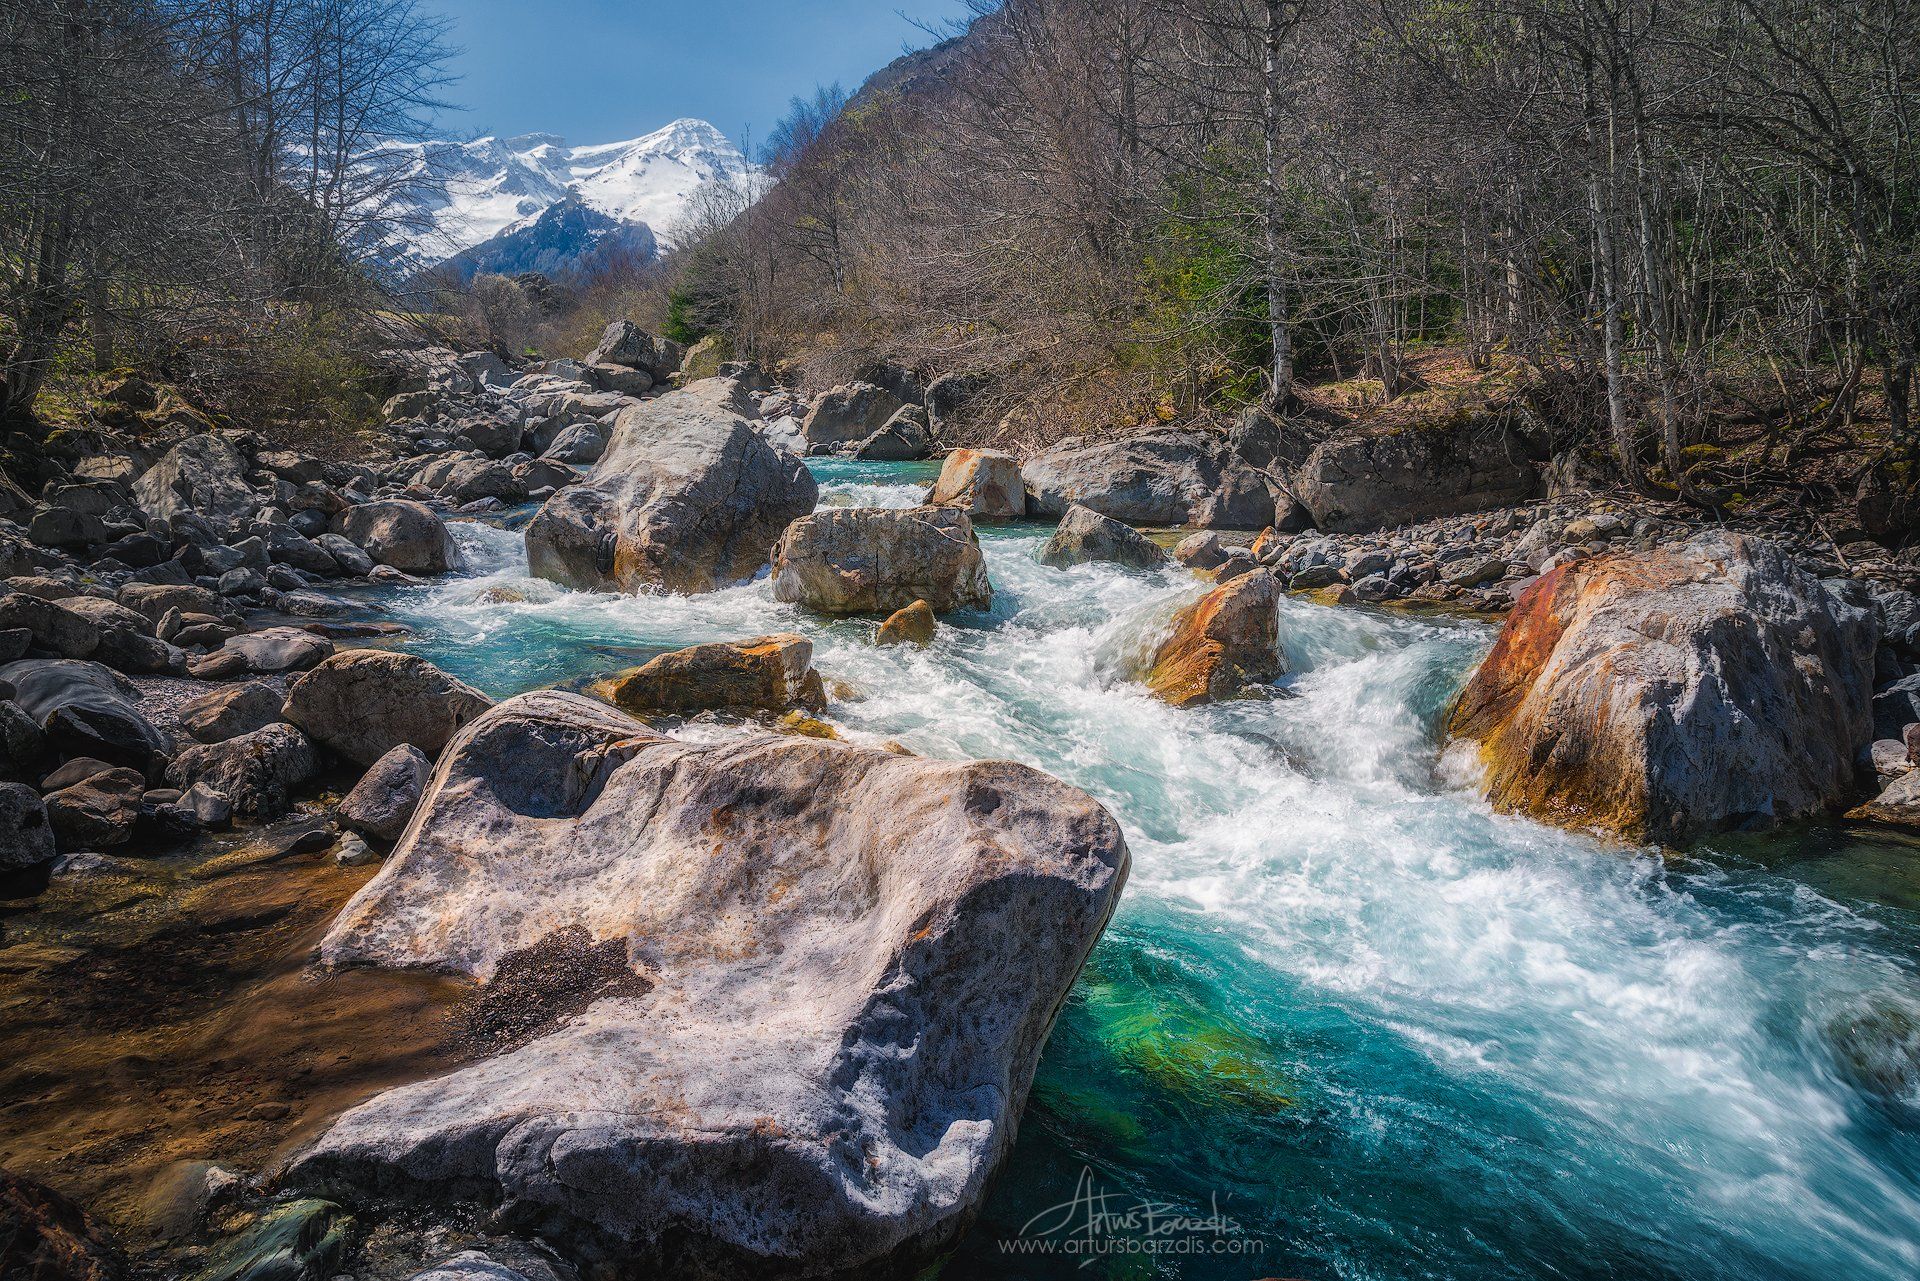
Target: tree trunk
x=1279 y=324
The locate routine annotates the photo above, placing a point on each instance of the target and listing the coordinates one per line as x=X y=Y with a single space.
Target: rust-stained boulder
x=769 y=673
x=1222 y=643
x=913 y=625
x=1668 y=694
x=986 y=484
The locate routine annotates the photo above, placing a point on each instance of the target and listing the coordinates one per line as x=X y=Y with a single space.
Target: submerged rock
x=1222 y=643
x=1668 y=694
x=769 y=673
x=986 y=484
x=365 y=702
x=914 y=625
x=768 y=921
x=687 y=497
x=872 y=560
x=1085 y=535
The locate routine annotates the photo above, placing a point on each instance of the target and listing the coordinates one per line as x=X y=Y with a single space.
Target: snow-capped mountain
x=467 y=193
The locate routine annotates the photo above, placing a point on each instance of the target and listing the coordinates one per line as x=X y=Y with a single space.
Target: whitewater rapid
x=1386 y=1031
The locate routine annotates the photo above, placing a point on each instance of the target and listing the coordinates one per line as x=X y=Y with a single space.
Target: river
x=1358 y=1022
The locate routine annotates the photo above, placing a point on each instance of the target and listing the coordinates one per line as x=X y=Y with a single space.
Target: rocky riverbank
x=186 y=682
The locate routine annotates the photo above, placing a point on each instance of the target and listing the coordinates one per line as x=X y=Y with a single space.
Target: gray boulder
x=257 y=773
x=727 y=1037
x=202 y=476
x=401 y=533
x=581 y=443
x=382 y=803
x=686 y=498
x=365 y=702
x=902 y=438
x=1159 y=478
x=1085 y=535
x=848 y=414
x=625 y=344
x=99 y=811
x=55 y=628
x=1353 y=484
x=279 y=649
x=230 y=712
x=85 y=709
x=26 y=838
x=872 y=560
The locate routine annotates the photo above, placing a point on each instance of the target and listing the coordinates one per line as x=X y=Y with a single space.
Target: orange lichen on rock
x=768 y=673
x=1661 y=695
x=1225 y=641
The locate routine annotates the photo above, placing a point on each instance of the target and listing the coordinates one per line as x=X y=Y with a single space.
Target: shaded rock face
x=984 y=483
x=1668 y=694
x=870 y=560
x=903 y=437
x=86 y=710
x=1360 y=483
x=257 y=773
x=1227 y=640
x=382 y=803
x=99 y=811
x=365 y=702
x=202 y=476
x=26 y=838
x=687 y=497
x=1162 y=478
x=1085 y=535
x=770 y=673
x=787 y=914
x=848 y=414
x=401 y=533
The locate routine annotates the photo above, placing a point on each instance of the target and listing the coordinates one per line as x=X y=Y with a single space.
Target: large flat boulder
x=873 y=560
x=1668 y=694
x=849 y=414
x=1159 y=478
x=806 y=987
x=687 y=497
x=85 y=709
x=1353 y=484
x=767 y=673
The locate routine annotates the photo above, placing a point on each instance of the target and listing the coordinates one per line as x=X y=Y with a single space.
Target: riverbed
x=1348 y=1021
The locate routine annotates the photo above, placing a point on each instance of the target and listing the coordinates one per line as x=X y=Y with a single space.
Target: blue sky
x=606 y=70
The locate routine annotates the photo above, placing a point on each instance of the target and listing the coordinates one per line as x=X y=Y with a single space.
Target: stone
x=348 y=557
x=63 y=527
x=1226 y=641
x=580 y=443
x=902 y=438
x=85 y=709
x=704 y=358
x=48 y=1238
x=351 y=851
x=870 y=560
x=26 y=838
x=1475 y=571
x=913 y=625
x=400 y=533
x=209 y=808
x=202 y=476
x=230 y=712
x=382 y=803
x=1363 y=482
x=987 y=485
x=1897 y=805
x=687 y=497
x=732 y=944
x=769 y=673
x=98 y=812
x=279 y=649
x=154 y=600
x=1667 y=694
x=55 y=628
x=626 y=345
x=849 y=414
x=257 y=772
x=22 y=744
x=1200 y=551
x=1889 y=758
x=1085 y=535
x=1157 y=478
x=363 y=703
x=77 y=770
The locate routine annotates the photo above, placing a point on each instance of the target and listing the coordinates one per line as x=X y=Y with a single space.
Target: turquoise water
x=1381 y=1030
